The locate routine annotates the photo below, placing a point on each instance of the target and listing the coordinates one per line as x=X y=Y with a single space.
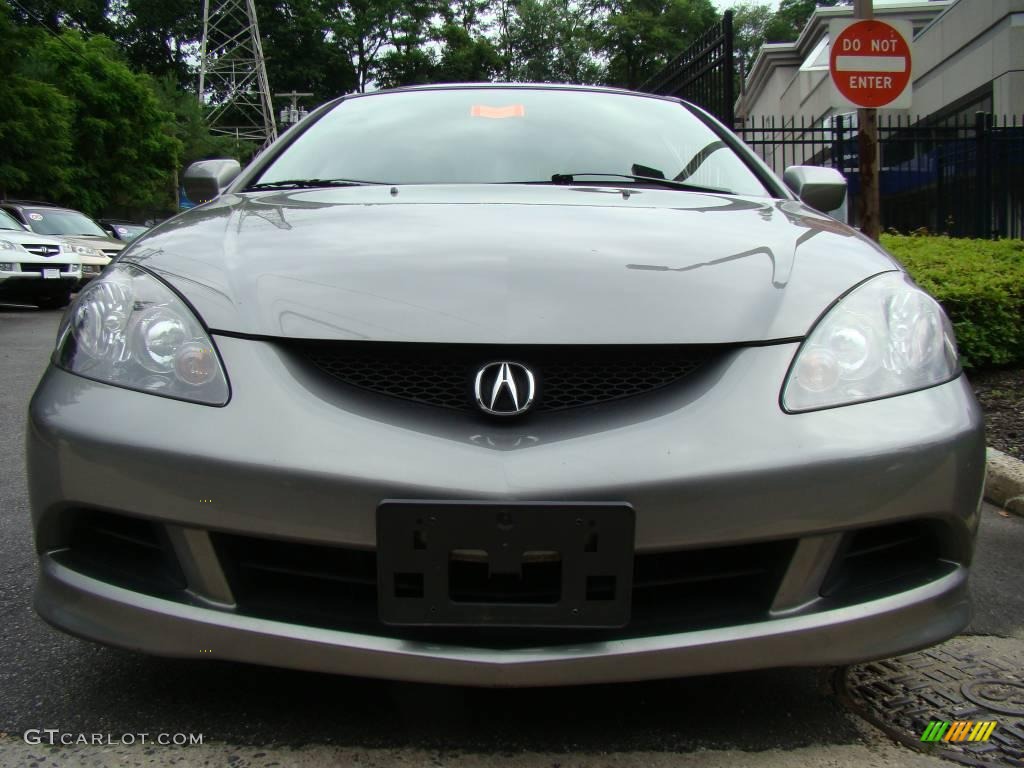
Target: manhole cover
x=1006 y=696
x=969 y=679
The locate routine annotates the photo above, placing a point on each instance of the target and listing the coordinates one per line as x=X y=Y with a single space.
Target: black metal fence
x=962 y=176
x=703 y=73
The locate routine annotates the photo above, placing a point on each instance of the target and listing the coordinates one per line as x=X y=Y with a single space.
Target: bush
x=981 y=285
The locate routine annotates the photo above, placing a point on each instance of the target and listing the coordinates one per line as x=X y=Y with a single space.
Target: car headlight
x=129 y=329
x=81 y=250
x=7 y=245
x=886 y=337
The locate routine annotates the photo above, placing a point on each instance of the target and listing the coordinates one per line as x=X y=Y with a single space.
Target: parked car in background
x=34 y=269
x=82 y=234
x=92 y=263
x=122 y=230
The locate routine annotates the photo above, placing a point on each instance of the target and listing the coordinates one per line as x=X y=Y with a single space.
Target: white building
x=968 y=56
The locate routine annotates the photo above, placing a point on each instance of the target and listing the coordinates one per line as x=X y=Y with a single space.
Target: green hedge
x=981 y=285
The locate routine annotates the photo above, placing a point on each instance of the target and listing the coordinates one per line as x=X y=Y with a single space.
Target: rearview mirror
x=823 y=189
x=206 y=179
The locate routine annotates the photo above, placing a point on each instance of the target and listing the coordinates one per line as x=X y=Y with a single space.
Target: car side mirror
x=206 y=179
x=823 y=189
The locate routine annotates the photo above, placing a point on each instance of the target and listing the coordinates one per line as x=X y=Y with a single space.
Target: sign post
x=870 y=63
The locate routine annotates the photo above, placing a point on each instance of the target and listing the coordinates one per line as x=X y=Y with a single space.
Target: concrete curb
x=1004 y=481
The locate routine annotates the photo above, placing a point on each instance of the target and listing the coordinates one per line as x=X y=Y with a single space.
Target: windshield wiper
x=570 y=178
x=308 y=184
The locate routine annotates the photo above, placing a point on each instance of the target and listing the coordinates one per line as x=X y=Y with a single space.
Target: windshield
x=49 y=221
x=507 y=135
x=128 y=231
x=9 y=222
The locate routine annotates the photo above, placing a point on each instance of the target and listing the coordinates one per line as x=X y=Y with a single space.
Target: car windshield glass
x=9 y=222
x=128 y=231
x=509 y=135
x=51 y=221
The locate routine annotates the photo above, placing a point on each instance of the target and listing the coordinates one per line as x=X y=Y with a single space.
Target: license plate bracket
x=505 y=564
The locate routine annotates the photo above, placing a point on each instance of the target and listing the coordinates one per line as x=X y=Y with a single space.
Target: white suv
x=35 y=269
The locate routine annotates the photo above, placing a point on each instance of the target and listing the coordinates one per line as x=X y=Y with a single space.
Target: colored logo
x=959 y=730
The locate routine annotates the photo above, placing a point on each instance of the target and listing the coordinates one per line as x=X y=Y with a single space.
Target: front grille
x=336 y=588
x=42 y=250
x=64 y=268
x=443 y=375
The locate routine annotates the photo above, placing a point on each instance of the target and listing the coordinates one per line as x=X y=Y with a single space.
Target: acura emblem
x=504 y=389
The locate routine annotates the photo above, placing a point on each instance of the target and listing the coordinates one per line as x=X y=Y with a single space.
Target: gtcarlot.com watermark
x=57 y=737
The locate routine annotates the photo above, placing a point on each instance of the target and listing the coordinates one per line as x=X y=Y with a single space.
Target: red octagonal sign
x=870 y=63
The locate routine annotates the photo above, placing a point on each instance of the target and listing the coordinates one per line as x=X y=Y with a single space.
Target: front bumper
x=713 y=464
x=32 y=285
x=91 y=269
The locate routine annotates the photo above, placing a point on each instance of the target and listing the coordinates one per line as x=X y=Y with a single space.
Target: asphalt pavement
x=50 y=680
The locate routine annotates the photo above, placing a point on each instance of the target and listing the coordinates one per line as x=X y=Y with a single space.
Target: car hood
x=23 y=237
x=108 y=245
x=98 y=243
x=508 y=264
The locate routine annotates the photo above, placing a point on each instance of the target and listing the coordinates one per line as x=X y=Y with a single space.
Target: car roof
x=36 y=204
x=507 y=86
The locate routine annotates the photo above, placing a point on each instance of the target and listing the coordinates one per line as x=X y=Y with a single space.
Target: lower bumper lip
x=98 y=611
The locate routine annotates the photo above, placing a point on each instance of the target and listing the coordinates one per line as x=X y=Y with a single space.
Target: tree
x=466 y=57
x=407 y=60
x=89 y=16
x=413 y=66
x=364 y=28
x=641 y=36
x=189 y=126
x=553 y=41
x=122 y=155
x=749 y=22
x=468 y=14
x=302 y=53
x=35 y=123
x=453 y=50
x=161 y=37
x=791 y=18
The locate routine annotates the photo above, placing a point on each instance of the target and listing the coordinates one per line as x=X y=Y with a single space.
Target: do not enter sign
x=870 y=63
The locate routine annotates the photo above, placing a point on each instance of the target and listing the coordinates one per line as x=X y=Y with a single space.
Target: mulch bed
x=1001 y=394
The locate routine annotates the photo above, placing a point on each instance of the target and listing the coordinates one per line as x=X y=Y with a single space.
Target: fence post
x=838 y=161
x=728 y=116
x=837 y=143
x=983 y=177
x=940 y=187
x=996 y=173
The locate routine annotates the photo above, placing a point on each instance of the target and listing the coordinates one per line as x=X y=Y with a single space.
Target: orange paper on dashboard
x=497 y=113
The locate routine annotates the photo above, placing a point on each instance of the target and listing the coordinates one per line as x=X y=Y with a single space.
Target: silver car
x=506 y=386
